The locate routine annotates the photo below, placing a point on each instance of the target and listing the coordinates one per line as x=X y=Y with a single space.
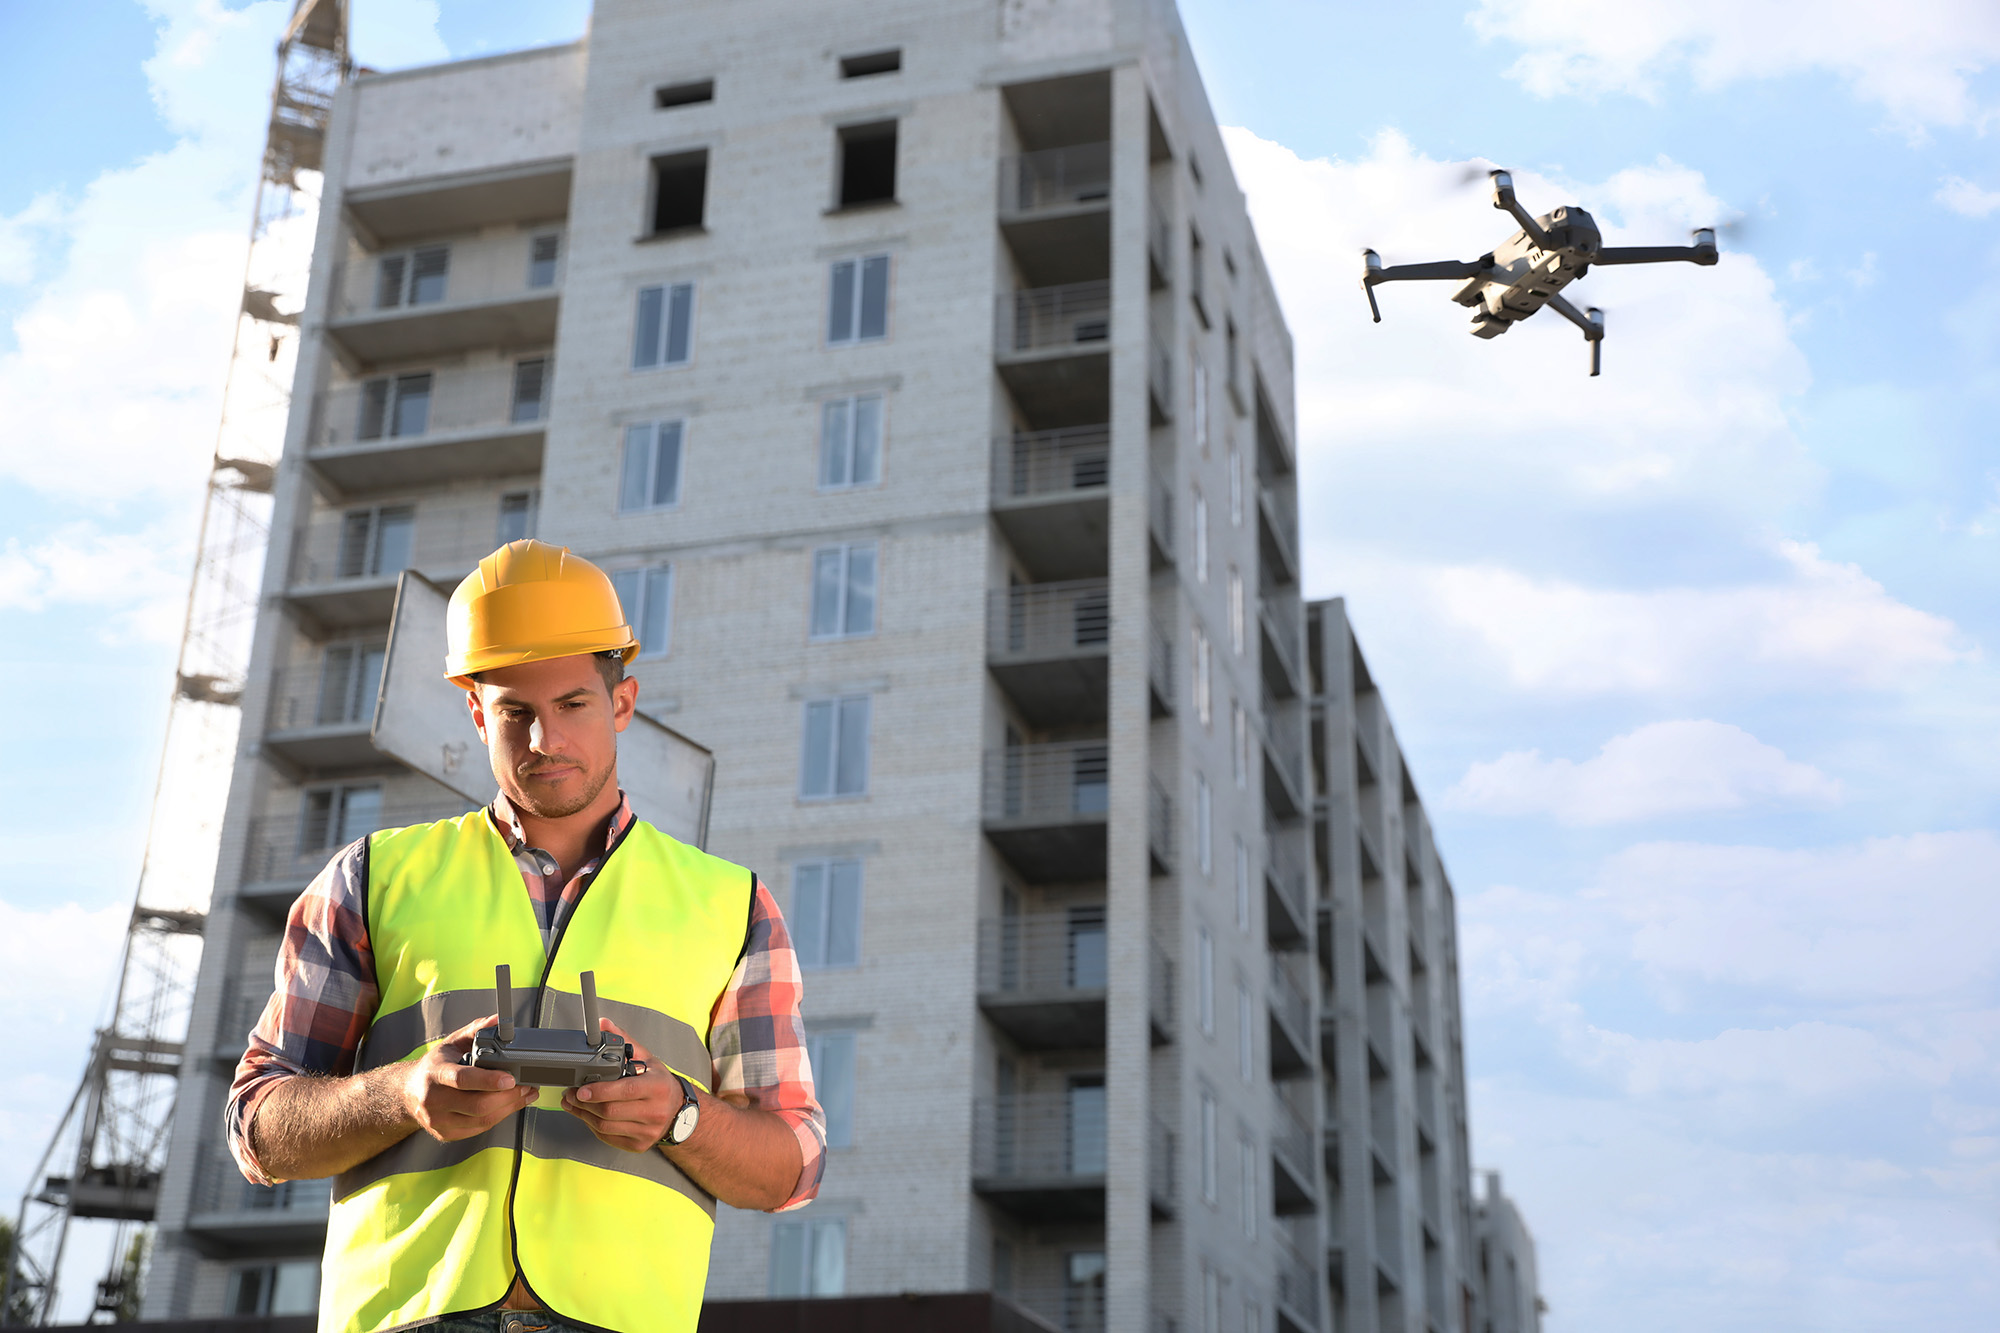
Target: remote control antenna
x=593 y=1032
x=503 y=998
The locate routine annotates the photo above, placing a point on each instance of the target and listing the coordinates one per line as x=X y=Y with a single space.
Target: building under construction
x=913 y=368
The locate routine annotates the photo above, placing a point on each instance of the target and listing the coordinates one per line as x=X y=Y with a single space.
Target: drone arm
x=1701 y=252
x=1372 y=272
x=1504 y=200
x=1591 y=321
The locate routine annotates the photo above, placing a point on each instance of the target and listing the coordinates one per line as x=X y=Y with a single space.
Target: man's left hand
x=629 y=1113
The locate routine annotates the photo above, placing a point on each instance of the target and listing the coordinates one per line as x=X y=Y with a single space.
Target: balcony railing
x=1160 y=667
x=1160 y=826
x=413 y=281
x=1052 y=954
x=339 y=693
x=380 y=542
x=220 y=1188
x=1040 y=620
x=1280 y=621
x=1051 y=462
x=1055 y=178
x=293 y=848
x=1068 y=1307
x=1291 y=1140
x=1286 y=873
x=1298 y=1282
x=1058 y=782
x=1160 y=377
x=1160 y=519
x=1159 y=239
x=1280 y=530
x=1281 y=734
x=1077 y=314
x=1288 y=1000
x=1050 y=1137
x=448 y=400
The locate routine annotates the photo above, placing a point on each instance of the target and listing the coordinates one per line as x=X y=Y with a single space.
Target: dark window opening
x=684 y=94
x=680 y=189
x=871 y=62
x=868 y=164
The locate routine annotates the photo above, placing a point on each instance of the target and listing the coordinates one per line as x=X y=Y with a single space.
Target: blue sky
x=1694 y=662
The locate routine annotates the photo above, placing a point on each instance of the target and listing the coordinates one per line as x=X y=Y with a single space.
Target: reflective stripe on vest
x=602 y=1237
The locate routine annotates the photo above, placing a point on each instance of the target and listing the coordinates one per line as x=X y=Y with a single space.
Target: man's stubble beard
x=563 y=810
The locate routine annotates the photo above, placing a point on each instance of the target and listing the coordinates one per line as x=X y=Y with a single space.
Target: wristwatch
x=685 y=1119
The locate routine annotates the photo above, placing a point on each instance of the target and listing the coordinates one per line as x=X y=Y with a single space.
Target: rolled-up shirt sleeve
x=757 y=1040
x=323 y=998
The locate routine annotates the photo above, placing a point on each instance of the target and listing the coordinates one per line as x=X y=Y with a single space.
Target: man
x=459 y=1196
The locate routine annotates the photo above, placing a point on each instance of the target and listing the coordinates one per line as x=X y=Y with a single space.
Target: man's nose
x=542 y=739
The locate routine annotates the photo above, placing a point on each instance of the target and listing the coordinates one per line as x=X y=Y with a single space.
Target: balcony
x=1160 y=524
x=427 y=427
x=282 y=852
x=344 y=564
x=1285 y=915
x=1160 y=378
x=1055 y=212
x=1284 y=758
x=1053 y=346
x=1160 y=828
x=1291 y=1023
x=1050 y=498
x=1040 y=1156
x=1043 y=980
x=1048 y=646
x=1277 y=539
x=1298 y=1288
x=436 y=300
x=1044 y=808
x=1159 y=241
x=228 y=1214
x=1160 y=669
x=1293 y=1190
x=1277 y=623
x=321 y=713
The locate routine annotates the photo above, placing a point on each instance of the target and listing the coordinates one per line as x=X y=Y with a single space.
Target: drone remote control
x=550 y=1057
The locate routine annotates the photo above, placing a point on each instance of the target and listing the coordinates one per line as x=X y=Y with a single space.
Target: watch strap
x=687 y=1092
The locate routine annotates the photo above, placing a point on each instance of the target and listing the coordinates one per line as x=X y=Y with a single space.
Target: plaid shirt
x=326 y=998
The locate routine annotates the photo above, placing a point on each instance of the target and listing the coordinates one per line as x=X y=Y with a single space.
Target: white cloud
x=1917 y=62
x=1826 y=625
x=1961 y=196
x=1664 y=768
x=139 y=577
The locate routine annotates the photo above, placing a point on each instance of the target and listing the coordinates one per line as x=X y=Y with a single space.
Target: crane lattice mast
x=105 y=1159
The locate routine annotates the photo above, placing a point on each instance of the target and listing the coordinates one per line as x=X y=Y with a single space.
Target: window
x=1242 y=885
x=873 y=62
x=1200 y=536
x=1211 y=1296
x=531 y=388
x=1239 y=743
x=680 y=189
x=416 y=278
x=809 y=1258
x=1204 y=838
x=395 y=405
x=663 y=334
x=1199 y=378
x=691 y=93
x=1236 y=622
x=332 y=817
x=647 y=596
x=1088 y=965
x=1235 y=484
x=543 y=251
x=868 y=164
x=1202 y=664
x=831 y=1055
x=850 y=442
x=518 y=512
x=1205 y=980
x=843 y=591
x=1087 y=1122
x=835 y=762
x=350 y=674
x=1246 y=1032
x=1208 y=1164
x=287 y=1288
x=826 y=913
x=375 y=542
x=650 y=477
x=858 y=307
x=1083 y=1289
x=1246 y=1203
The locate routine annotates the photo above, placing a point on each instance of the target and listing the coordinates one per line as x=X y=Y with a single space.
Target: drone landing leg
x=1591 y=321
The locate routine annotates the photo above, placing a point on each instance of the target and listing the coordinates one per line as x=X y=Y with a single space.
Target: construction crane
x=104 y=1161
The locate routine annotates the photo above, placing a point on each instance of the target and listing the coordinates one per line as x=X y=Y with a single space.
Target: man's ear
x=624 y=703
x=478 y=713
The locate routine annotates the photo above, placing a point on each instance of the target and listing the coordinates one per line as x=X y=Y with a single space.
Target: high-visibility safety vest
x=603 y=1237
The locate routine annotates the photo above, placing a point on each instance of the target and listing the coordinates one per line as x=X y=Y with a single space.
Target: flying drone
x=1530 y=270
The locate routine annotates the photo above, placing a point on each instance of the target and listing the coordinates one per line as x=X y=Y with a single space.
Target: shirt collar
x=508 y=822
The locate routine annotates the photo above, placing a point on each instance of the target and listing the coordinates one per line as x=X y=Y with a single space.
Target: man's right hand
x=450 y=1101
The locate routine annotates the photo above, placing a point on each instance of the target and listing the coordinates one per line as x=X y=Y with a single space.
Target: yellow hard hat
x=528 y=602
